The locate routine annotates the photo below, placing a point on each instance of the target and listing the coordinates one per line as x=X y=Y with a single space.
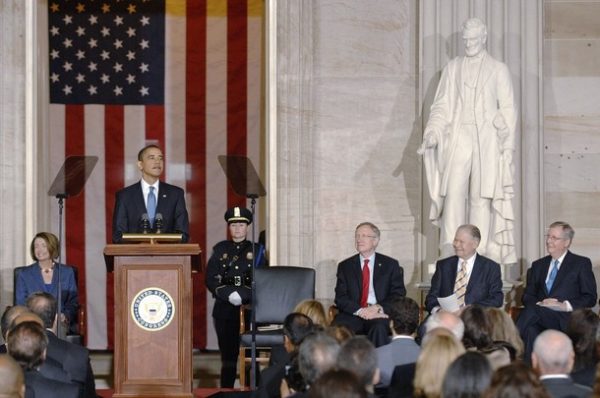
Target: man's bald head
x=11 y=378
x=553 y=353
x=44 y=305
x=9 y=316
x=27 y=343
x=27 y=317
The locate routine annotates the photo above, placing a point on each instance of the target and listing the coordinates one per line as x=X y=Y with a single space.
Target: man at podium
x=150 y=205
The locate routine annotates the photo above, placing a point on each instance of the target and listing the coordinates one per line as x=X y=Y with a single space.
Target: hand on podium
x=235 y=299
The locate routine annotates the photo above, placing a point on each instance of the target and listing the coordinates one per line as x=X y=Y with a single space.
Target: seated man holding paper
x=466 y=278
x=556 y=285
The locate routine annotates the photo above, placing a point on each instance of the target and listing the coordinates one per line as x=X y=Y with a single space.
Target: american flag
x=185 y=75
x=107 y=53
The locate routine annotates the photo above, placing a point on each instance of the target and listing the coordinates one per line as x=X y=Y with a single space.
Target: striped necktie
x=460 y=285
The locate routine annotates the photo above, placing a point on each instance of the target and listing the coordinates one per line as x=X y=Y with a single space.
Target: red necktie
x=365 y=283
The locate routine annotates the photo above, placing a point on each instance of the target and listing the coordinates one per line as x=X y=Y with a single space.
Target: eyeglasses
x=357 y=237
x=554 y=238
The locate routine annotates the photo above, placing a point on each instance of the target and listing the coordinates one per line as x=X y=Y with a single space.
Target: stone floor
x=207 y=365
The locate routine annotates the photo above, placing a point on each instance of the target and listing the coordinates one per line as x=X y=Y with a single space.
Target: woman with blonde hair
x=504 y=330
x=314 y=310
x=437 y=353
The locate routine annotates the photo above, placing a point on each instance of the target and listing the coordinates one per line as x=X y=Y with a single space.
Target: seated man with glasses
x=366 y=285
x=556 y=285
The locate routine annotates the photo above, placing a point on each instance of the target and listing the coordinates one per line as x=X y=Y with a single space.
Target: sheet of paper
x=449 y=303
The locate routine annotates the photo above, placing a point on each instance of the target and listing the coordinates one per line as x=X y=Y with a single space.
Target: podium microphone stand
x=69 y=182
x=245 y=181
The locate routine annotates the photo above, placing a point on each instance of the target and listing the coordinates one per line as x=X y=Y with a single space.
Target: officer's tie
x=151 y=205
x=460 y=285
x=366 y=275
x=552 y=276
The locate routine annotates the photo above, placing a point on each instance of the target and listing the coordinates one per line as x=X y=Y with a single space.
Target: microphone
x=158 y=223
x=145 y=223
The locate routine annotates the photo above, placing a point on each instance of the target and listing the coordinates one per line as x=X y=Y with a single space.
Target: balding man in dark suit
x=363 y=302
x=556 y=285
x=74 y=359
x=479 y=283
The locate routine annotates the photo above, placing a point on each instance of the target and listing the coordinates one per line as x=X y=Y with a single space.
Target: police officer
x=229 y=278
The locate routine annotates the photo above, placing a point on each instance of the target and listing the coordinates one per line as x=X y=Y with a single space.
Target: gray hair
x=472 y=230
x=567 y=230
x=446 y=320
x=373 y=227
x=318 y=353
x=554 y=351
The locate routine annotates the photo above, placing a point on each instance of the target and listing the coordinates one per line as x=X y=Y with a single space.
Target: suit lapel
x=139 y=198
x=162 y=198
x=476 y=273
x=357 y=271
x=377 y=270
x=451 y=265
x=544 y=275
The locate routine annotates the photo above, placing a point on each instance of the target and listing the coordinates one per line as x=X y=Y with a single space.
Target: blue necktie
x=552 y=276
x=151 y=205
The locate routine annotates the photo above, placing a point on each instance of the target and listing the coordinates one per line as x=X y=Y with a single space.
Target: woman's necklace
x=48 y=270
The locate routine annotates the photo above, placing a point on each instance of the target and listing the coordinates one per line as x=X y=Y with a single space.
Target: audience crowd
x=476 y=352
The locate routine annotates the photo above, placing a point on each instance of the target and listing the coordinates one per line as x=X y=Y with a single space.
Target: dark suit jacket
x=484 y=288
x=574 y=282
x=401 y=385
x=565 y=387
x=51 y=369
x=75 y=360
x=37 y=386
x=130 y=205
x=388 y=282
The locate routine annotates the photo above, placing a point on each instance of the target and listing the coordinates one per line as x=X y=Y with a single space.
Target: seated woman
x=42 y=276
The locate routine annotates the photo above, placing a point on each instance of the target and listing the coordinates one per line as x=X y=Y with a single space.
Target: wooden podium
x=153 y=318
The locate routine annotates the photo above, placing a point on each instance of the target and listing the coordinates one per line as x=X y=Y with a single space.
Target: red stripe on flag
x=114 y=179
x=75 y=206
x=195 y=152
x=237 y=76
x=155 y=127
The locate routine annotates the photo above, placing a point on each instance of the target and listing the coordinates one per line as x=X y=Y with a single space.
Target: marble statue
x=468 y=147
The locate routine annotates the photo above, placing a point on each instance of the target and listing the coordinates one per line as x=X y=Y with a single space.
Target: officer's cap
x=238 y=214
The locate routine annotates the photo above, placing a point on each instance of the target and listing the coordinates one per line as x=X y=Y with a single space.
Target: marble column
x=13 y=187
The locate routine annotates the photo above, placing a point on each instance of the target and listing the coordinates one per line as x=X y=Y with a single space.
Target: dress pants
x=376 y=330
x=228 y=337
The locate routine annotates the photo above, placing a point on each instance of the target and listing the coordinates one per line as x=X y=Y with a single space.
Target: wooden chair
x=278 y=290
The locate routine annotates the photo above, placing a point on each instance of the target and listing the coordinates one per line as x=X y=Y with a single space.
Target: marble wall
x=571 y=95
x=346 y=133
